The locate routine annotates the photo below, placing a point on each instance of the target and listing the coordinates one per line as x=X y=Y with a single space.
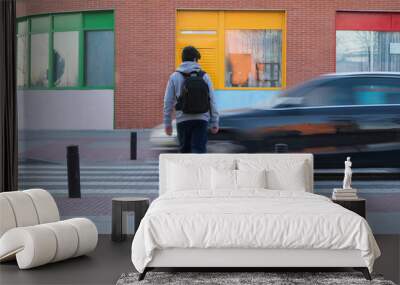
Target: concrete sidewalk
x=94 y=146
x=113 y=147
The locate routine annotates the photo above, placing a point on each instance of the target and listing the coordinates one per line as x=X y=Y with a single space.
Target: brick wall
x=145 y=39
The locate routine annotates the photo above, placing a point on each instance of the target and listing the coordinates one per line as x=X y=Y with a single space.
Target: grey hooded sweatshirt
x=173 y=91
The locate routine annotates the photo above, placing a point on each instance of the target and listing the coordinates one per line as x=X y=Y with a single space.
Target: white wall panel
x=66 y=109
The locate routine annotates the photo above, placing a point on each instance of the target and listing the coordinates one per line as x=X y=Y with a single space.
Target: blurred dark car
x=332 y=116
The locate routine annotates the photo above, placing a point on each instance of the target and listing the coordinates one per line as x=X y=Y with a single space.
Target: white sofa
x=31 y=230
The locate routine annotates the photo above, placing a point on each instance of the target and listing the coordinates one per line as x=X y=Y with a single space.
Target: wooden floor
x=110 y=260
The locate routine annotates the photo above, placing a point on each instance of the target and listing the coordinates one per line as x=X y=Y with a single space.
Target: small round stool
x=138 y=205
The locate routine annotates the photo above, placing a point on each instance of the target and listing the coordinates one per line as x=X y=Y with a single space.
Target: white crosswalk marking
x=99 y=183
x=111 y=171
x=62 y=167
x=63 y=176
x=137 y=178
x=142 y=178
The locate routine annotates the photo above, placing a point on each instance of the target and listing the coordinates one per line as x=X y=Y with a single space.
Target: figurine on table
x=347 y=174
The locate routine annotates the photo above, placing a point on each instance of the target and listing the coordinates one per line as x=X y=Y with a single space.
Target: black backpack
x=195 y=94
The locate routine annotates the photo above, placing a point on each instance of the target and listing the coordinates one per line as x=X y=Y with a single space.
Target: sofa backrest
x=26 y=208
x=212 y=158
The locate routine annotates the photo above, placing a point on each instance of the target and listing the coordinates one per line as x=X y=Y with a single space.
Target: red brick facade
x=145 y=42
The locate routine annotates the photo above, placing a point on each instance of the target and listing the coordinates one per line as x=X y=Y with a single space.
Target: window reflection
x=22 y=54
x=99 y=58
x=253 y=58
x=39 y=59
x=367 y=51
x=65 y=59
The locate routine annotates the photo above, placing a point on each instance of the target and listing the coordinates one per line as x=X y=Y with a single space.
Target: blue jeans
x=192 y=136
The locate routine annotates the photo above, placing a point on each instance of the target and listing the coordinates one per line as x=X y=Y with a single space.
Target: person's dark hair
x=190 y=53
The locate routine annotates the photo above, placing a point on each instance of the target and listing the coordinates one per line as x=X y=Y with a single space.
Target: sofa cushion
x=67 y=240
x=7 y=220
x=41 y=244
x=46 y=207
x=27 y=235
x=23 y=208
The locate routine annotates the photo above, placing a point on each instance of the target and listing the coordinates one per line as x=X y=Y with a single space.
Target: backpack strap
x=183 y=73
x=200 y=73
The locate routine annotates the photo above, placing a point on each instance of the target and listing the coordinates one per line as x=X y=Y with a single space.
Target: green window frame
x=80 y=22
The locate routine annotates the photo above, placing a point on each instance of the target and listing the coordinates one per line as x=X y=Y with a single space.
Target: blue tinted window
x=332 y=93
x=369 y=97
x=376 y=91
x=99 y=58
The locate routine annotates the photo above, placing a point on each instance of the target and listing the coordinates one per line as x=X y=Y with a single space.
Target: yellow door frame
x=219 y=21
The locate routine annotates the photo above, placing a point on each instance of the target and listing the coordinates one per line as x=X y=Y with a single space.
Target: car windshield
x=278 y=101
x=287 y=98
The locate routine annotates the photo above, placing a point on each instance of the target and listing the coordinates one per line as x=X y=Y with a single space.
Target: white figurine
x=347 y=174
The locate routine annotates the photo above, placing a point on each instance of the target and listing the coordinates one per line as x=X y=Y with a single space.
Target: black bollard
x=74 y=177
x=133 y=146
x=281 y=148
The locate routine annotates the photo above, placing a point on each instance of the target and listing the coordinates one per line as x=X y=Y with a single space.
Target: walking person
x=189 y=91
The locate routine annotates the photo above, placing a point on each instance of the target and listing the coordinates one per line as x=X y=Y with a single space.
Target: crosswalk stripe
x=363 y=191
x=143 y=178
x=114 y=191
x=101 y=183
x=91 y=167
x=119 y=177
x=85 y=181
x=88 y=172
x=104 y=189
x=358 y=182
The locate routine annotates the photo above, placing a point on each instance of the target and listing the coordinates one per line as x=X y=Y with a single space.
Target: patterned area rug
x=243 y=278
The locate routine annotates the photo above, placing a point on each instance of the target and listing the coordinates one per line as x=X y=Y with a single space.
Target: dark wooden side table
x=357 y=205
x=139 y=205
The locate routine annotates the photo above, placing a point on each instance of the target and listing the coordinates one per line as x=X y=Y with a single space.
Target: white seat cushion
x=31 y=232
x=23 y=208
x=33 y=246
x=7 y=220
x=46 y=207
x=87 y=235
x=52 y=242
x=67 y=240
